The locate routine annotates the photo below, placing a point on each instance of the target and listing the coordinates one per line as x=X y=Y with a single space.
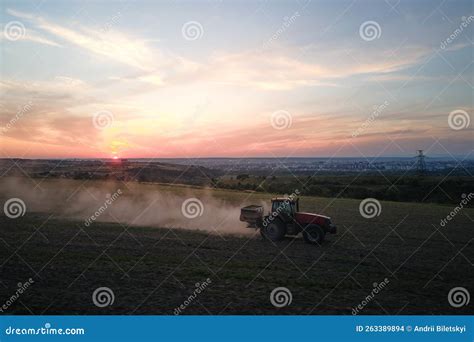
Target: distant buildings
x=307 y=165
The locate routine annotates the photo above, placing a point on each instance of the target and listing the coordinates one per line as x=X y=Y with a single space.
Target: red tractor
x=285 y=218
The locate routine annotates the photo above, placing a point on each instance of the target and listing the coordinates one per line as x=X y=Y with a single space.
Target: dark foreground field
x=154 y=270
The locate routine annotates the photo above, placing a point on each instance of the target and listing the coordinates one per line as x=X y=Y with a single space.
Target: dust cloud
x=130 y=203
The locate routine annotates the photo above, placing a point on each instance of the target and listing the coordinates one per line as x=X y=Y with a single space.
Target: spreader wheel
x=274 y=231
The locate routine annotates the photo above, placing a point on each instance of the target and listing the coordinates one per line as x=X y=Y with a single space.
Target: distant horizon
x=428 y=157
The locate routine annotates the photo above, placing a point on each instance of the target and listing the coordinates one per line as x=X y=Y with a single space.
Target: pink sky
x=134 y=86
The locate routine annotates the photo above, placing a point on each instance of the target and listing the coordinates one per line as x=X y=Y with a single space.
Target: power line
x=421 y=163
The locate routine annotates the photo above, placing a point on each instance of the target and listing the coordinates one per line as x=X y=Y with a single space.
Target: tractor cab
x=286 y=209
x=285 y=206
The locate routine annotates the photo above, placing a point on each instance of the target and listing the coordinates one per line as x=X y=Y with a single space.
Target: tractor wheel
x=274 y=231
x=313 y=234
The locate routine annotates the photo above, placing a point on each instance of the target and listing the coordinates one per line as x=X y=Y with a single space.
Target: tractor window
x=284 y=207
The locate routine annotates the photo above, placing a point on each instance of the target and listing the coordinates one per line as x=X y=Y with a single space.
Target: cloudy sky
x=236 y=78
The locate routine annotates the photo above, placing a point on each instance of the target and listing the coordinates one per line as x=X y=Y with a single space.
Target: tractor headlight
x=331 y=227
